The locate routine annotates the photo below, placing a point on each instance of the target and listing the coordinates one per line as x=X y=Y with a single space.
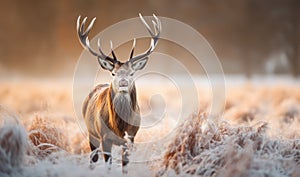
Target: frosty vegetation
x=258 y=135
x=228 y=150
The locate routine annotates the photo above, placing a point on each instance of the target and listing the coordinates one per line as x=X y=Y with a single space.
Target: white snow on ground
x=42 y=112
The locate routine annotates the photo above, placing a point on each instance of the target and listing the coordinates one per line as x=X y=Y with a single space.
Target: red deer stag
x=111 y=110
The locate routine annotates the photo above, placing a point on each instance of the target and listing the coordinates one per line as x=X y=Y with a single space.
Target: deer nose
x=123 y=83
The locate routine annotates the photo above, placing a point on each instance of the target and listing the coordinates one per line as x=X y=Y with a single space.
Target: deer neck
x=130 y=95
x=122 y=107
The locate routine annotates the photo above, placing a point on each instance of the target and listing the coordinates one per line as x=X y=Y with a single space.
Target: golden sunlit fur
x=105 y=124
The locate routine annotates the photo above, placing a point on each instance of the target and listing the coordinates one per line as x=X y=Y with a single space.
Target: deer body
x=107 y=126
x=111 y=110
x=102 y=101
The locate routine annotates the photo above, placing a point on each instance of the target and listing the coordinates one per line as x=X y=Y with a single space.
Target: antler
x=154 y=39
x=85 y=42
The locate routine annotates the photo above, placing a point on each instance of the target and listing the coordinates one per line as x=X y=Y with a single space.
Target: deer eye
x=113 y=74
x=131 y=74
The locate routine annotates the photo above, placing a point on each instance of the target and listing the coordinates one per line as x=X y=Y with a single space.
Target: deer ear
x=140 y=64
x=106 y=64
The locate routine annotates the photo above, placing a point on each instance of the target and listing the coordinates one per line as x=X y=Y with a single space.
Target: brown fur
x=104 y=123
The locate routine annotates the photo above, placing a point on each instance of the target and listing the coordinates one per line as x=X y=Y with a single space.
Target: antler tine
x=112 y=51
x=132 y=48
x=103 y=56
x=88 y=29
x=146 y=24
x=99 y=47
x=154 y=39
x=84 y=39
x=78 y=23
x=158 y=22
x=82 y=24
x=83 y=35
x=155 y=26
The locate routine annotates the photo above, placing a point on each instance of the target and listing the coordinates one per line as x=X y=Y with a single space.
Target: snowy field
x=258 y=133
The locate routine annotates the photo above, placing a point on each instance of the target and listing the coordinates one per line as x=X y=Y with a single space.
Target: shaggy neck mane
x=122 y=109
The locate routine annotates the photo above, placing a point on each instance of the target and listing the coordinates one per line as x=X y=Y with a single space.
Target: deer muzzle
x=123 y=83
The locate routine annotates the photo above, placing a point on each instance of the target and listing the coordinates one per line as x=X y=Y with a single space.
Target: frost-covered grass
x=258 y=134
x=43 y=150
x=226 y=150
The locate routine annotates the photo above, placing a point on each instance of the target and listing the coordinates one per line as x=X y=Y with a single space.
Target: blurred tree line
x=39 y=36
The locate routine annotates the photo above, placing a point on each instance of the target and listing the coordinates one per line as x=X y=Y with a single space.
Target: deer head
x=122 y=72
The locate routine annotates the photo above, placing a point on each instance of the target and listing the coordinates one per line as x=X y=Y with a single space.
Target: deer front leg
x=106 y=148
x=94 y=144
x=125 y=149
x=125 y=154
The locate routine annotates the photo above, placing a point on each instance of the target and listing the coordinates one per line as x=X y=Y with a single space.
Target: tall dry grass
x=227 y=150
x=258 y=134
